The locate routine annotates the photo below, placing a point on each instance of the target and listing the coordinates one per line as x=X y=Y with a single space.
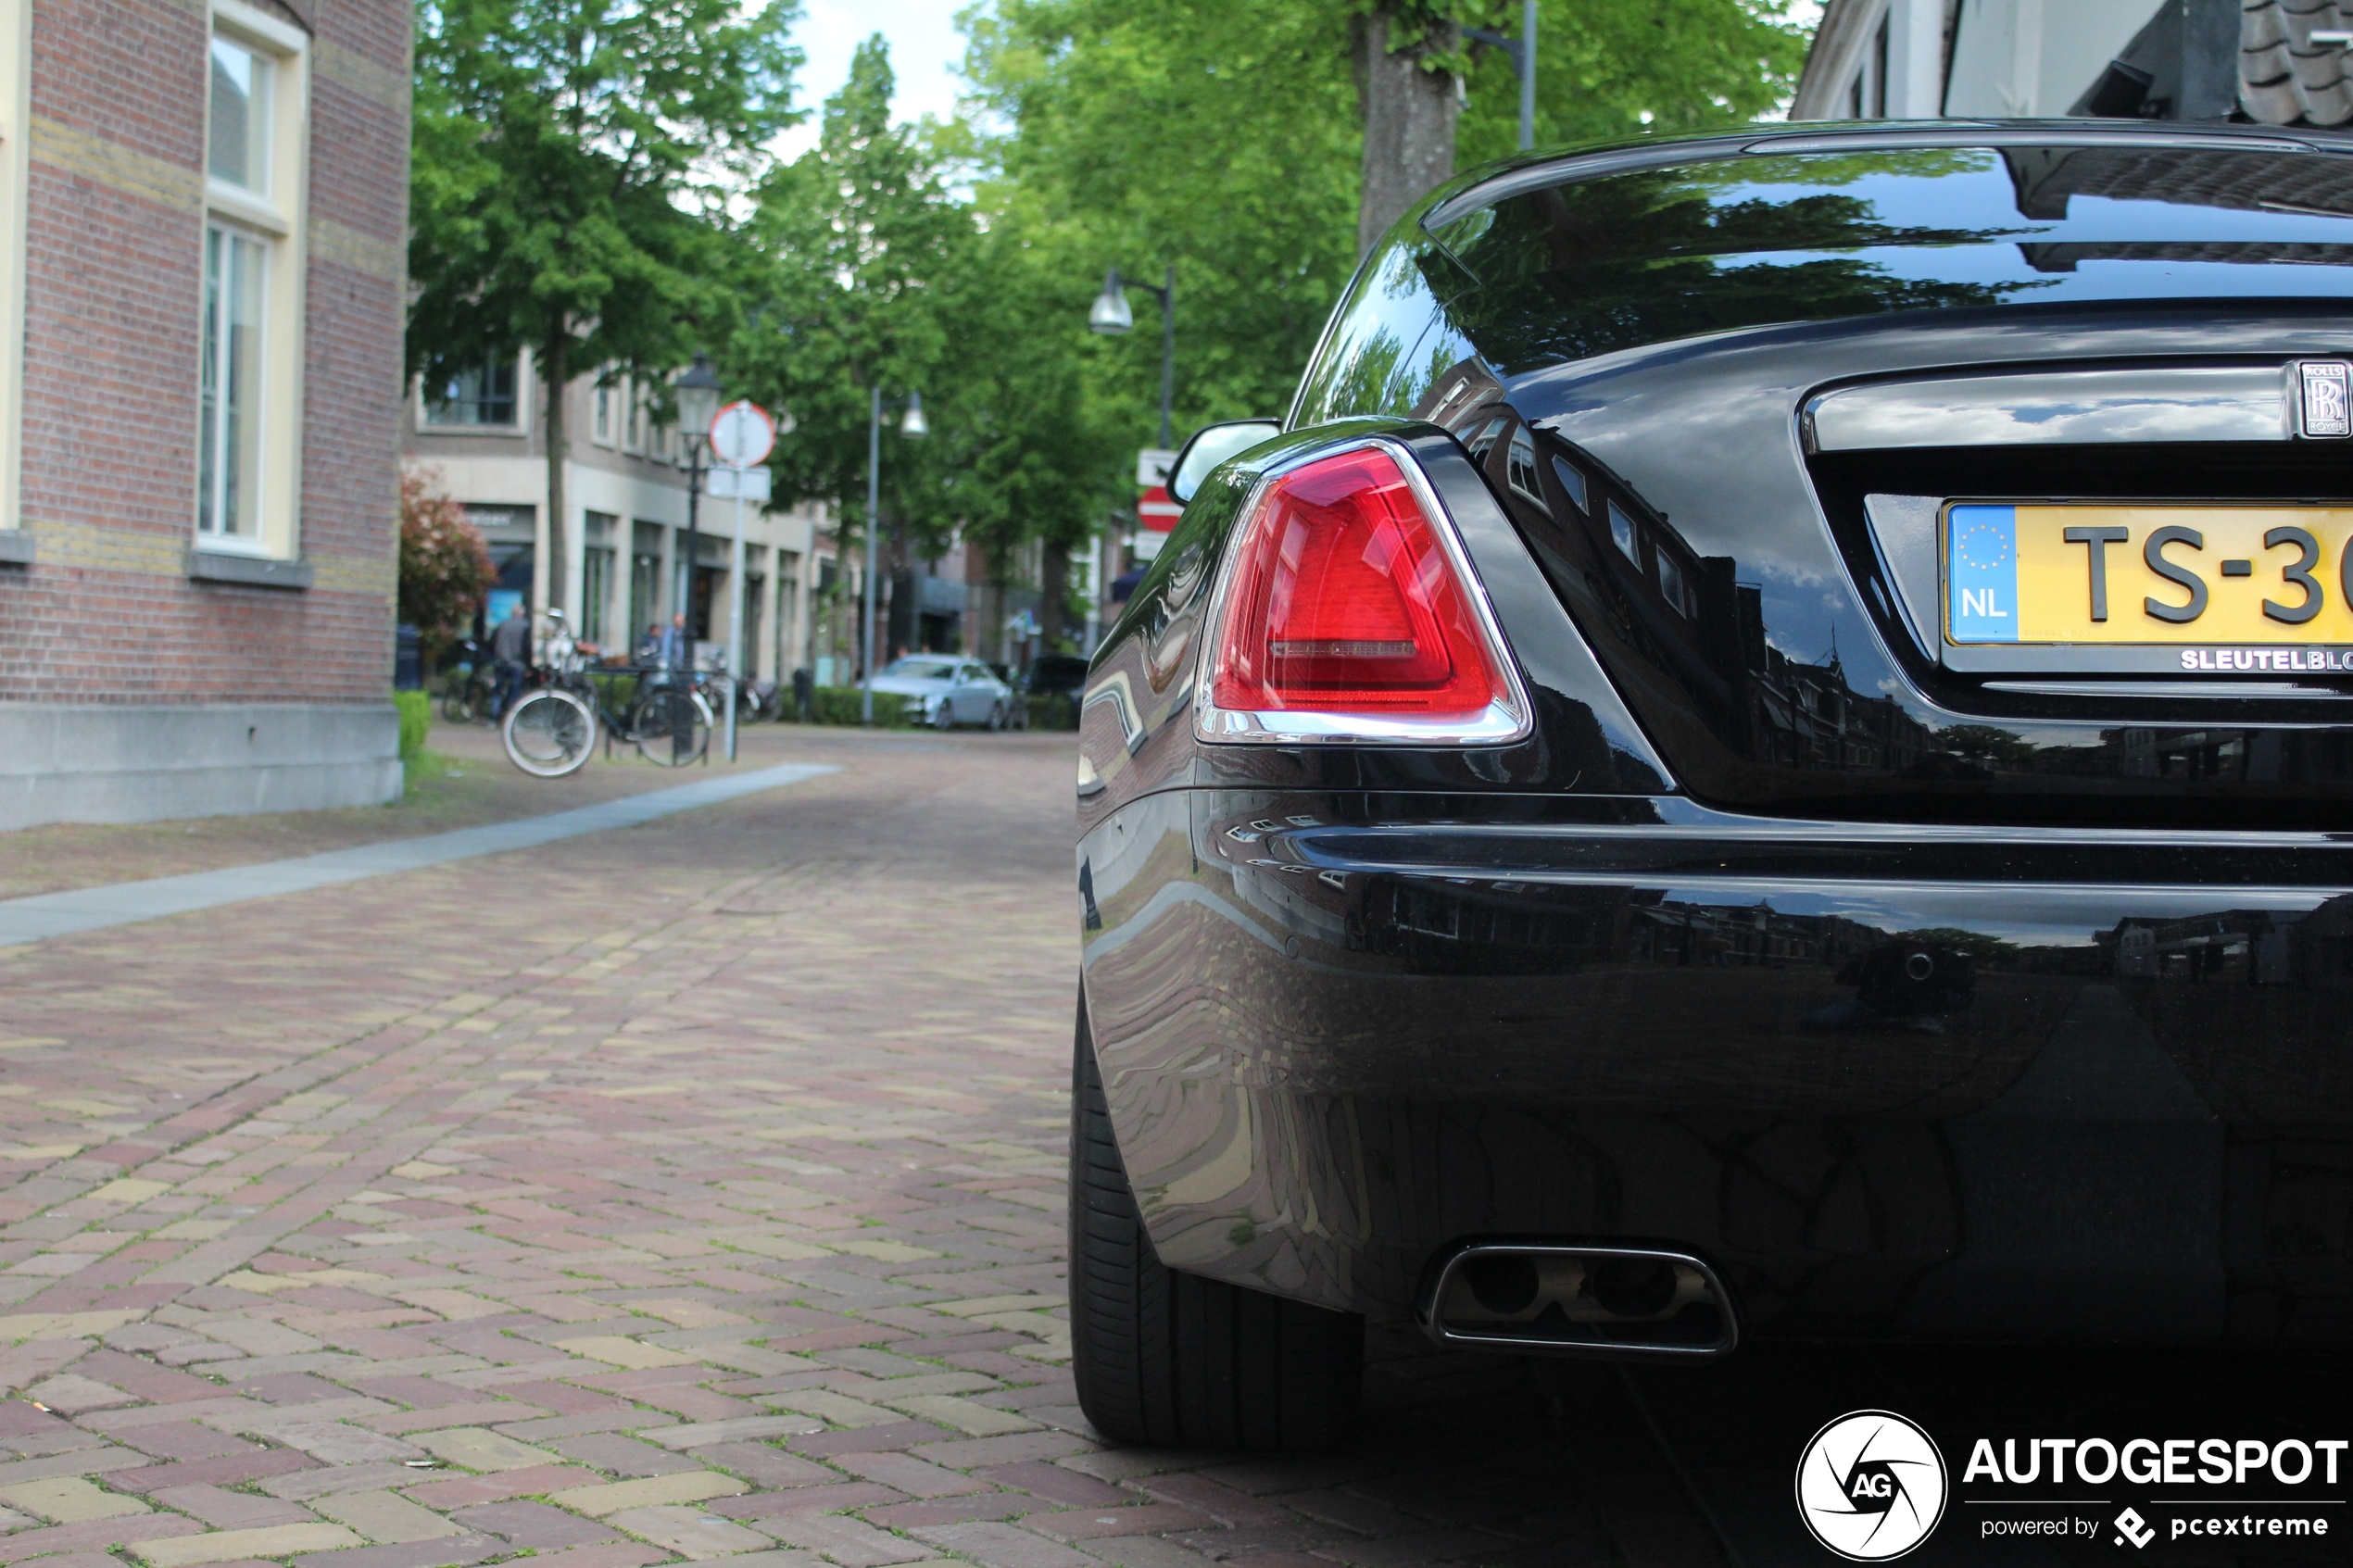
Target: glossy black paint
x=1918 y=1001
x=2027 y=1083
x=1660 y=331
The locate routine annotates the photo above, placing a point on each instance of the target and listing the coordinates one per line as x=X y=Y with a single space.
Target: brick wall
x=105 y=613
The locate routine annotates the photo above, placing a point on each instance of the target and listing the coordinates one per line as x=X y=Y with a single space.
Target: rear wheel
x=549 y=732
x=672 y=726
x=1174 y=1359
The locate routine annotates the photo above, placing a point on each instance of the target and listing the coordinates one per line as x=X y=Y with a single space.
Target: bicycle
x=552 y=730
x=466 y=690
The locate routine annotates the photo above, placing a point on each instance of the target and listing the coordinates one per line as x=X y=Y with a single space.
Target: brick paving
x=687 y=1192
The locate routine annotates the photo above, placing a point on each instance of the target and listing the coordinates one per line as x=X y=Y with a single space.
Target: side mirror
x=1211 y=446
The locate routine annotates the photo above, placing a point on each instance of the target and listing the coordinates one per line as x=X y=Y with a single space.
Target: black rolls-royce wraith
x=1766 y=751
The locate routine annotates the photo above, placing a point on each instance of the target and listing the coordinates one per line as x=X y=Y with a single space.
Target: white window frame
x=275 y=221
x=16 y=107
x=604 y=408
x=633 y=417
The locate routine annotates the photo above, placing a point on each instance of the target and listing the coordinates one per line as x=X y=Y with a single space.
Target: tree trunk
x=555 y=359
x=1409 y=121
x=1053 y=589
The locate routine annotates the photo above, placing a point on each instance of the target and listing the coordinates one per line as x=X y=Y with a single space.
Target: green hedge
x=844 y=704
x=416 y=714
x=1052 y=710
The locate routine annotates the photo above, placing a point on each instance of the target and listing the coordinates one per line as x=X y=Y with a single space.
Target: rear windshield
x=1632 y=259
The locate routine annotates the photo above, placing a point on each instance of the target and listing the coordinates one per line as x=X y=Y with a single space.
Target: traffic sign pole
x=742 y=436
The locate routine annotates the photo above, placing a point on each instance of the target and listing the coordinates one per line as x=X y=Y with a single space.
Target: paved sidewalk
x=683 y=1192
x=89 y=908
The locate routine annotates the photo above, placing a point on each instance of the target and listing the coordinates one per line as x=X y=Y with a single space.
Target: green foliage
x=1216 y=135
x=444 y=568
x=843 y=705
x=571 y=158
x=1052 y=710
x=416 y=717
x=857 y=258
x=1608 y=70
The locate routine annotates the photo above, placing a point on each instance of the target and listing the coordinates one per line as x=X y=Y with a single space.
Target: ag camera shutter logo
x=1871 y=1486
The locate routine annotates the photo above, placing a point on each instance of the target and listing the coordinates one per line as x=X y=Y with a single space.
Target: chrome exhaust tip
x=1536 y=1296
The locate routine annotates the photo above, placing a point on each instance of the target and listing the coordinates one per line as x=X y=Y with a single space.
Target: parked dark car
x=1767 y=752
x=1055 y=674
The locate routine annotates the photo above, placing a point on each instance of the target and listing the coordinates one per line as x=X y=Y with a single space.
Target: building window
x=228 y=400
x=1622 y=533
x=1671 y=582
x=633 y=432
x=607 y=395
x=237 y=150
x=595 y=589
x=1520 y=467
x=250 y=336
x=1572 y=480
x=476 y=397
x=645 y=579
x=1484 y=441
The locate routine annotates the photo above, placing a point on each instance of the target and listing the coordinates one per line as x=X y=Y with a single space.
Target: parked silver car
x=951 y=690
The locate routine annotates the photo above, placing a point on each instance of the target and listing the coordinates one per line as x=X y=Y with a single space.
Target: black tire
x=672 y=726
x=1174 y=1361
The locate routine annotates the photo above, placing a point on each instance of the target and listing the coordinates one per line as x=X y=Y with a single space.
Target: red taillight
x=1343 y=601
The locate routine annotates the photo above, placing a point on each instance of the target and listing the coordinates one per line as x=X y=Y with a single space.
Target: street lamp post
x=697 y=406
x=1111 y=315
x=1522 y=51
x=913 y=425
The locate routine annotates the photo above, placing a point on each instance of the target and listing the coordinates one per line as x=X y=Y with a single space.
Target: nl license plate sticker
x=2217 y=581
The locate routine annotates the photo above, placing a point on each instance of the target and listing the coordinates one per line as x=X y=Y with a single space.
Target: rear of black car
x=1899 y=885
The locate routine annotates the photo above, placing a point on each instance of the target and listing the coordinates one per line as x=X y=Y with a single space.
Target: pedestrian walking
x=510 y=656
x=676 y=651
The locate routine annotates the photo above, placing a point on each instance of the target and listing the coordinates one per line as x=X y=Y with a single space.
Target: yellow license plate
x=2041 y=573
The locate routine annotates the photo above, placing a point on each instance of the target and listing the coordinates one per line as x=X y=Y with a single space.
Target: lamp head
x=913 y=423
x=1111 y=313
x=697 y=398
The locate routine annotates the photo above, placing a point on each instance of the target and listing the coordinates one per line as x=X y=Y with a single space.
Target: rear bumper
x=1888 y=1083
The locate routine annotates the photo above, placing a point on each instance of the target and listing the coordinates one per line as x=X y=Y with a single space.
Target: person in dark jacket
x=510 y=656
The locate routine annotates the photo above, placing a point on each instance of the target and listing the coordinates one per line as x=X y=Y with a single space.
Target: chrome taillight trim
x=1500 y=723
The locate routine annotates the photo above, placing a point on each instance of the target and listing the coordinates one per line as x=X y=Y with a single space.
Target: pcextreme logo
x=1871 y=1486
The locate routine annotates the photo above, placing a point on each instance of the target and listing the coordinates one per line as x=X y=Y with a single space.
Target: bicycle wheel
x=549 y=732
x=672 y=726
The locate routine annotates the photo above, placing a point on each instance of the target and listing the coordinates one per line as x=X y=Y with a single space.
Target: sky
x=925 y=50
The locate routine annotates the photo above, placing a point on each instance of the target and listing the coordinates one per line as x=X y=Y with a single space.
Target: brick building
x=202 y=205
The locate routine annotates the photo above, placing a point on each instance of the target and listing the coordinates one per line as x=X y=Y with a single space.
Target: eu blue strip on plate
x=1980 y=573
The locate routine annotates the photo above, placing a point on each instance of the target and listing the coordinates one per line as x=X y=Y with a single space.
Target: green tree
x=1606 y=71
x=572 y=163
x=445 y=567
x=1216 y=135
x=858 y=253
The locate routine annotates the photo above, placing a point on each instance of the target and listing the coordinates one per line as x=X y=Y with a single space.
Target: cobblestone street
x=689 y=1191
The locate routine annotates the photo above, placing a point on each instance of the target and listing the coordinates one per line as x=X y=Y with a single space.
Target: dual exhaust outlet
x=1539 y=1297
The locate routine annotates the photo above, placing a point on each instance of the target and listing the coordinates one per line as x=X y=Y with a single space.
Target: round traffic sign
x=742 y=434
